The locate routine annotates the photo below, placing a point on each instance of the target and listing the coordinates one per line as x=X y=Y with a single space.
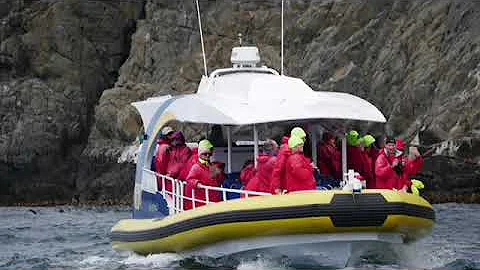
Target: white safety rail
x=176 y=198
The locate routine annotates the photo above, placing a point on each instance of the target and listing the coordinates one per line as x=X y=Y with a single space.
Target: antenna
x=201 y=39
x=240 y=39
x=281 y=69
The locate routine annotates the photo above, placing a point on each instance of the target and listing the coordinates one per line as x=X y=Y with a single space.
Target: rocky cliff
x=69 y=70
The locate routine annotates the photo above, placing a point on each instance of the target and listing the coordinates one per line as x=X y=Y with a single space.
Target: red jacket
x=161 y=157
x=200 y=173
x=247 y=173
x=261 y=181
x=299 y=173
x=161 y=163
x=278 y=173
x=178 y=157
x=373 y=153
x=360 y=162
x=329 y=160
x=385 y=176
x=368 y=171
x=355 y=159
x=411 y=168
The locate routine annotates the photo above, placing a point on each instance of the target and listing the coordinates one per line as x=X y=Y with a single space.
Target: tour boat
x=248 y=97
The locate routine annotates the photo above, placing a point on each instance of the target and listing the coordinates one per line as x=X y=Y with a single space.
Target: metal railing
x=173 y=191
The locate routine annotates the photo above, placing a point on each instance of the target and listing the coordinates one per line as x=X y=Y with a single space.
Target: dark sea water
x=77 y=238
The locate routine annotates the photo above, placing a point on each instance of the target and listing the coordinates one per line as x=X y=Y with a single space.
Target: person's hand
x=414 y=152
x=196 y=184
x=395 y=163
x=314 y=165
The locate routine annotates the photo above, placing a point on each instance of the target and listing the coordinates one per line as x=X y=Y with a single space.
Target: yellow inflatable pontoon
x=292 y=219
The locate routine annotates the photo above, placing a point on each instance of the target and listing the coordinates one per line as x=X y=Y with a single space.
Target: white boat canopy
x=244 y=96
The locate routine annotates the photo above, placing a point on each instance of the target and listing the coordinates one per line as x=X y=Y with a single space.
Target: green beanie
x=294 y=141
x=353 y=138
x=204 y=146
x=298 y=132
x=368 y=140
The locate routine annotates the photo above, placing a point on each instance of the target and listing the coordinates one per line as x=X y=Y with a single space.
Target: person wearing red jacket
x=265 y=164
x=298 y=168
x=247 y=173
x=202 y=172
x=329 y=158
x=386 y=165
x=162 y=154
x=368 y=171
x=410 y=165
x=355 y=156
x=179 y=155
x=278 y=184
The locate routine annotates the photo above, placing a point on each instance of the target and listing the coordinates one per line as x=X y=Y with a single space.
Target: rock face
x=418 y=61
x=56 y=57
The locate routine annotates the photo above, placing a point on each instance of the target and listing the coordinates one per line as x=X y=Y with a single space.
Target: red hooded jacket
x=299 y=173
x=385 y=175
x=178 y=157
x=161 y=162
x=261 y=181
x=355 y=159
x=329 y=160
x=368 y=171
x=247 y=173
x=373 y=153
x=161 y=157
x=278 y=173
x=200 y=173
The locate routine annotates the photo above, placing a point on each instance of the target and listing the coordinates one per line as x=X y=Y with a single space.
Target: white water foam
x=155 y=260
x=93 y=262
x=261 y=264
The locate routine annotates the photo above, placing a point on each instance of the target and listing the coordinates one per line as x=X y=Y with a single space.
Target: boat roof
x=243 y=96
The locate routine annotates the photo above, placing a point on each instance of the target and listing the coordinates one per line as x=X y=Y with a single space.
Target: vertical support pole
x=255 y=144
x=229 y=150
x=193 y=198
x=207 y=129
x=313 y=139
x=344 y=156
x=207 y=195
x=182 y=199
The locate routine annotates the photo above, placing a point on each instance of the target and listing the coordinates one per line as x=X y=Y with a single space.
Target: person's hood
x=263 y=158
x=400 y=145
x=285 y=139
x=163 y=141
x=328 y=136
x=178 y=138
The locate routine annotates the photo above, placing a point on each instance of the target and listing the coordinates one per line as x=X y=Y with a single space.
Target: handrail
x=178 y=197
x=222 y=71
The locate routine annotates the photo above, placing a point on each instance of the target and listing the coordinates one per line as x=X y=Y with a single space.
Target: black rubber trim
x=345 y=210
